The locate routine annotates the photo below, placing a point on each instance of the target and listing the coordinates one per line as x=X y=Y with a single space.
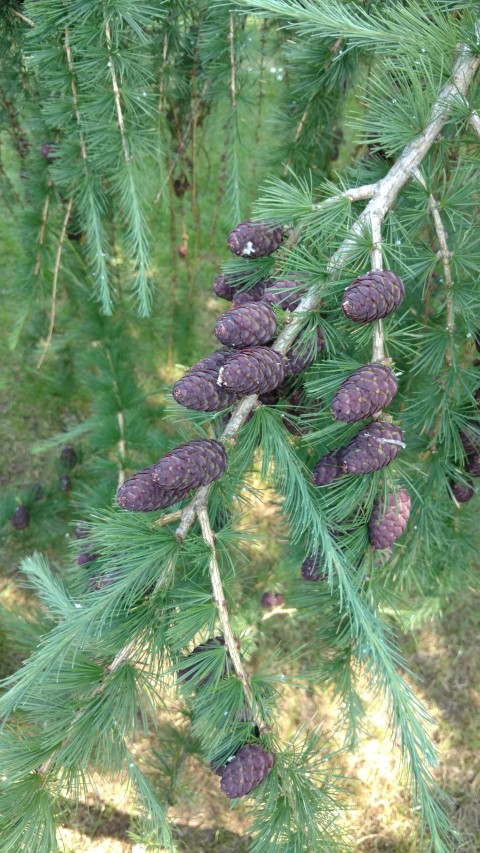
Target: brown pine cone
x=301 y=355
x=373 y=296
x=255 y=370
x=68 y=458
x=388 y=521
x=254 y=239
x=364 y=393
x=190 y=465
x=214 y=361
x=140 y=494
x=461 y=492
x=327 y=469
x=247 y=325
x=253 y=294
x=199 y=390
x=371 y=449
x=286 y=293
x=246 y=770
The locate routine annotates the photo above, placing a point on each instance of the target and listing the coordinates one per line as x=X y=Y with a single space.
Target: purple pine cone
x=247 y=325
x=254 y=239
x=364 y=393
x=388 y=522
x=286 y=293
x=190 y=465
x=272 y=599
x=301 y=355
x=371 y=449
x=461 y=492
x=21 y=518
x=312 y=568
x=200 y=391
x=373 y=296
x=246 y=770
x=232 y=287
x=327 y=469
x=255 y=370
x=473 y=465
x=140 y=494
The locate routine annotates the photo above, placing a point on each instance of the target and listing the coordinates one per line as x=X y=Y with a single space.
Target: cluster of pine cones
x=363 y=395
x=244 y=365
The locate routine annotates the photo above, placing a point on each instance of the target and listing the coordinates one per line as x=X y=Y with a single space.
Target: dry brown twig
x=116 y=93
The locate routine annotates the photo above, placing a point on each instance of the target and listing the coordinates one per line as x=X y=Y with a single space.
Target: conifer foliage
x=370 y=440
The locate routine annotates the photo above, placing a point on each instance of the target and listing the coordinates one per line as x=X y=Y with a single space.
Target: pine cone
x=190 y=465
x=200 y=391
x=286 y=293
x=470 y=438
x=255 y=370
x=473 y=465
x=140 y=494
x=312 y=568
x=98 y=581
x=461 y=492
x=81 y=532
x=301 y=355
x=246 y=770
x=364 y=393
x=84 y=558
x=247 y=325
x=65 y=483
x=327 y=469
x=188 y=672
x=21 y=518
x=68 y=458
x=253 y=294
x=254 y=239
x=371 y=449
x=214 y=361
x=388 y=521
x=232 y=285
x=272 y=599
x=373 y=296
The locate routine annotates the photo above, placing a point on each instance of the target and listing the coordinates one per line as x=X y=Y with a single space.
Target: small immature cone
x=230 y=286
x=364 y=393
x=81 y=532
x=246 y=770
x=388 y=521
x=373 y=296
x=84 y=558
x=272 y=599
x=254 y=239
x=301 y=356
x=286 y=293
x=21 y=518
x=193 y=464
x=98 y=581
x=312 y=568
x=461 y=492
x=327 y=469
x=200 y=391
x=247 y=325
x=255 y=370
x=371 y=449
x=140 y=494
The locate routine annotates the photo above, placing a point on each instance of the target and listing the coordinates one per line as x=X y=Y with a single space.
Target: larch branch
x=56 y=271
x=68 y=54
x=221 y=605
x=378 y=343
x=382 y=196
x=116 y=93
x=43 y=228
x=475 y=122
